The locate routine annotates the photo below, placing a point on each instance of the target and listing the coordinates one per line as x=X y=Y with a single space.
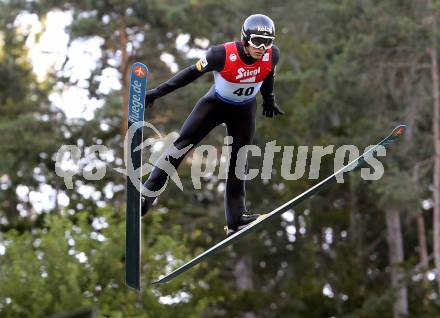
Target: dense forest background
x=349 y=72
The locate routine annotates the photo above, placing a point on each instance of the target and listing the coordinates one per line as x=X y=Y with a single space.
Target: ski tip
x=399 y=130
x=157 y=282
x=162 y=279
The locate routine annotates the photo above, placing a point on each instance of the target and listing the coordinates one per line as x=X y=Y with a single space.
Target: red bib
x=239 y=82
x=236 y=71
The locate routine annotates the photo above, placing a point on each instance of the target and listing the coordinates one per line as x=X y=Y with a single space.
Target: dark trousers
x=208 y=113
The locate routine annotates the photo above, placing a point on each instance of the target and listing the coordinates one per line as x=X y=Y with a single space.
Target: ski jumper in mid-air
x=241 y=69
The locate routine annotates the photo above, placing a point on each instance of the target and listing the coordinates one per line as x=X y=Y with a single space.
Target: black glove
x=151 y=96
x=271 y=108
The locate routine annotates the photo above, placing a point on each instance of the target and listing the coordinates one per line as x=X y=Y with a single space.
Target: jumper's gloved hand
x=270 y=109
x=151 y=96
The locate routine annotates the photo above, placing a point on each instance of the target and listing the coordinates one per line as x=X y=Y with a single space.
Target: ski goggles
x=261 y=41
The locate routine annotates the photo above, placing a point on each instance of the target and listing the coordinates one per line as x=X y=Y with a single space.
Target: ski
x=136 y=109
x=357 y=163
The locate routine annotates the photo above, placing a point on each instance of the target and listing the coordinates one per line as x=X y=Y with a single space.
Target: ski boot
x=245 y=220
x=146 y=203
